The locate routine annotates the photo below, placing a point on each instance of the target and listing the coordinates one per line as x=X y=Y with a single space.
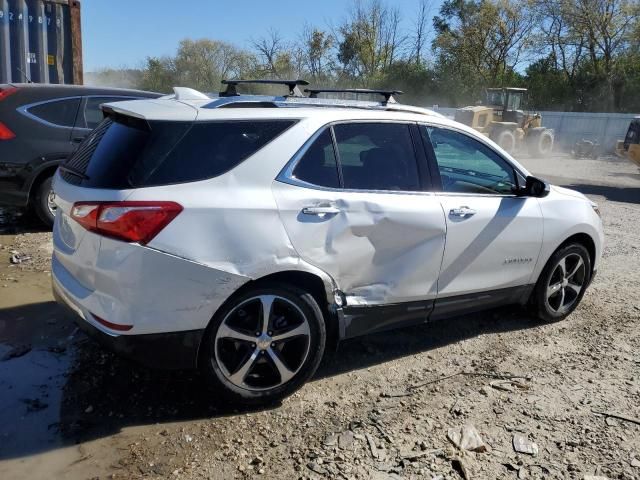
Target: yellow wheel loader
x=630 y=146
x=502 y=119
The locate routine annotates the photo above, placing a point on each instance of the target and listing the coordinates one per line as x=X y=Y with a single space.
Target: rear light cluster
x=129 y=221
x=5 y=132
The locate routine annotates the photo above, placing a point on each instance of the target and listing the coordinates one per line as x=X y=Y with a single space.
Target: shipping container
x=40 y=41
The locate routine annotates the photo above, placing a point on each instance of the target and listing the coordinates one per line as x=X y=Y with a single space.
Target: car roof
x=56 y=89
x=190 y=105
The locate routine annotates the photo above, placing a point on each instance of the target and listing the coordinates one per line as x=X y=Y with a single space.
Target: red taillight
x=129 y=221
x=5 y=133
x=5 y=92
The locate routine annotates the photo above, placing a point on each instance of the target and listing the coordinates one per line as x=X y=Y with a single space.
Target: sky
x=122 y=33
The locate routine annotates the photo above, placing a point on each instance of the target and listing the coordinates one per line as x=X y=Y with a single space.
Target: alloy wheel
x=566 y=283
x=51 y=202
x=262 y=342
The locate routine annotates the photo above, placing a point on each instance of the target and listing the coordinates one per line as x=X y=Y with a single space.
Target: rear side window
x=318 y=166
x=59 y=112
x=134 y=153
x=377 y=156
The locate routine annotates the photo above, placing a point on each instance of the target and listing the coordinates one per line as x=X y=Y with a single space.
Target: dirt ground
x=382 y=407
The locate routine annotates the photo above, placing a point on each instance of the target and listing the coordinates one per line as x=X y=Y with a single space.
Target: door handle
x=462 y=212
x=320 y=210
x=77 y=139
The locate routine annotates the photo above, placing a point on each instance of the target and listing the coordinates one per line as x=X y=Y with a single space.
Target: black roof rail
x=293 y=85
x=387 y=94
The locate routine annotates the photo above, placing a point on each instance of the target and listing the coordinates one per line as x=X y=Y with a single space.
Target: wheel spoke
x=239 y=375
x=575 y=269
x=285 y=373
x=561 y=298
x=553 y=289
x=575 y=287
x=267 y=304
x=302 y=329
x=563 y=266
x=225 y=331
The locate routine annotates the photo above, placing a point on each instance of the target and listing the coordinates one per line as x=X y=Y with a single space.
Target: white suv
x=245 y=234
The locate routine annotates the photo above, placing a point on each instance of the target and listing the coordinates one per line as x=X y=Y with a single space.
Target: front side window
x=468 y=166
x=58 y=112
x=377 y=156
x=318 y=165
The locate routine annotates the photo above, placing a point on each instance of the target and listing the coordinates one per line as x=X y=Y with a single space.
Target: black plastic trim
x=360 y=320
x=165 y=351
x=474 y=302
x=363 y=320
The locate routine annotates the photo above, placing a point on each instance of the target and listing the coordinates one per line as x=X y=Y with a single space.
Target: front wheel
x=264 y=344
x=43 y=202
x=562 y=283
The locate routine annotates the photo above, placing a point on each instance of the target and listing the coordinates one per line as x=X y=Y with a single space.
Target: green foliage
x=574 y=55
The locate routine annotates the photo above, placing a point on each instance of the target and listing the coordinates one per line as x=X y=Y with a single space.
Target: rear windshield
x=127 y=153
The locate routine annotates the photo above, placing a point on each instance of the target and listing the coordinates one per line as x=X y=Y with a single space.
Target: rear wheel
x=562 y=283
x=43 y=202
x=263 y=345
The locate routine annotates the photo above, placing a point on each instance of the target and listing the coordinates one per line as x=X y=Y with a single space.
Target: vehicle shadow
x=100 y=393
x=612 y=193
x=19 y=220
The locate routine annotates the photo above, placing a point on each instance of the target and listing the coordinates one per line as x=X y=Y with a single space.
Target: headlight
x=596 y=209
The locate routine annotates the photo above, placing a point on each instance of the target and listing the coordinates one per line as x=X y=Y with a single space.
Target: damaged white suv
x=245 y=234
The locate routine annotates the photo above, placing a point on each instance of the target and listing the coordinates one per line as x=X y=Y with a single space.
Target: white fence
x=571 y=127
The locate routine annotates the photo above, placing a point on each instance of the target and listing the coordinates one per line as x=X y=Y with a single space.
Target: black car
x=40 y=126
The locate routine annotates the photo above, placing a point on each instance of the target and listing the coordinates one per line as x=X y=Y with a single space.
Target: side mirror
x=535 y=187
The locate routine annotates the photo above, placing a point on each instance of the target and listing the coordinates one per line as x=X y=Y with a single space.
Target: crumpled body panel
x=379 y=248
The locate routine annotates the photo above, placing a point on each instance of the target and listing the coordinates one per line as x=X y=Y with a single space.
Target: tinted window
x=58 y=112
x=134 y=153
x=92 y=114
x=318 y=165
x=468 y=166
x=377 y=156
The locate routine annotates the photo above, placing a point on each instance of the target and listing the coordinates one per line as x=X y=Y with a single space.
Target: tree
x=418 y=38
x=369 y=41
x=269 y=48
x=317 y=45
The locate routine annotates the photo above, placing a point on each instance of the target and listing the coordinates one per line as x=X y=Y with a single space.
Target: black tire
x=507 y=141
x=547 y=310
x=224 y=387
x=40 y=202
x=541 y=143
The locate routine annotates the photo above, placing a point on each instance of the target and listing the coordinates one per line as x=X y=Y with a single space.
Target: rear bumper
x=171 y=351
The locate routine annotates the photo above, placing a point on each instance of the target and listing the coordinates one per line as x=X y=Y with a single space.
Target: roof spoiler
x=294 y=91
x=387 y=94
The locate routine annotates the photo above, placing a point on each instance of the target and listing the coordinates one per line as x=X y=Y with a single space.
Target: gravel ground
x=385 y=406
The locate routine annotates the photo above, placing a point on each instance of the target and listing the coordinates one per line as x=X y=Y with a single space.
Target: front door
x=493 y=236
x=355 y=208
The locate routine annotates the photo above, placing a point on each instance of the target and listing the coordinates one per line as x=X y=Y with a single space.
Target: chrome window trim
x=24 y=109
x=286 y=174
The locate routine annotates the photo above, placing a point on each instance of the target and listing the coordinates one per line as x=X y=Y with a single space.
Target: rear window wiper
x=74 y=172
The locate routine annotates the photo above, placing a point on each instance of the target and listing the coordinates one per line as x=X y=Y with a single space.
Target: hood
x=569 y=192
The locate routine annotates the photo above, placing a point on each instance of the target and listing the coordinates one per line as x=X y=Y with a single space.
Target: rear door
x=53 y=122
x=493 y=236
x=354 y=205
